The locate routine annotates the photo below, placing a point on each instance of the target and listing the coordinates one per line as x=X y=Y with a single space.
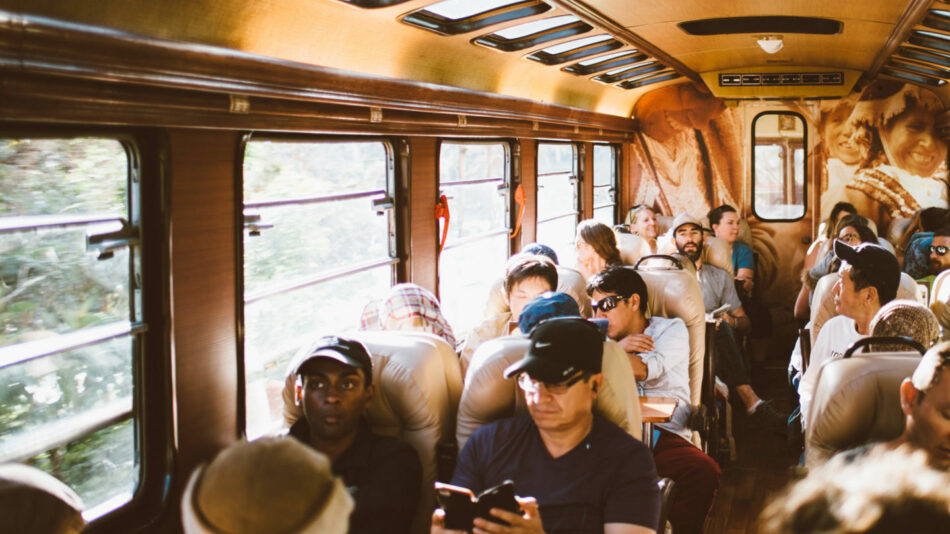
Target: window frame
x=577 y=175
x=614 y=186
x=150 y=354
x=392 y=202
x=752 y=146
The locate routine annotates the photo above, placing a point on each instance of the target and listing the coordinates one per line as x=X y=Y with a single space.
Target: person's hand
x=528 y=523
x=729 y=319
x=747 y=284
x=637 y=343
x=438 y=524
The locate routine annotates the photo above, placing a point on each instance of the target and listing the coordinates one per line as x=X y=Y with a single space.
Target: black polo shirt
x=609 y=477
x=382 y=474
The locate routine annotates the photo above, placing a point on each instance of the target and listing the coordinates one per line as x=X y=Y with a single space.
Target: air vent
x=772 y=79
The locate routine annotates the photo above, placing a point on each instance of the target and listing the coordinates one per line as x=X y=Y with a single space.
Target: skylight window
x=598 y=59
x=577 y=43
x=460 y=9
x=453 y=17
x=538 y=26
x=610 y=61
x=576 y=49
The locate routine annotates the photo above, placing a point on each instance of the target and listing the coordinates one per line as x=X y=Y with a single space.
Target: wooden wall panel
x=204 y=266
x=587 y=181
x=424 y=244
x=529 y=180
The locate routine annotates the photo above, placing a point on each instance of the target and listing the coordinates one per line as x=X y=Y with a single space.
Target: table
x=655 y=410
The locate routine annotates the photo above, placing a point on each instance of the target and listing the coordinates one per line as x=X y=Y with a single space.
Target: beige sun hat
x=272 y=486
x=35 y=502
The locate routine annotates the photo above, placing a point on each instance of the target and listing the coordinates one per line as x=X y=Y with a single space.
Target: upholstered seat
x=857 y=401
x=489 y=396
x=940 y=302
x=418 y=385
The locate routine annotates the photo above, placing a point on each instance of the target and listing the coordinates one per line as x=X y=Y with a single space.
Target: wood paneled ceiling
x=339 y=35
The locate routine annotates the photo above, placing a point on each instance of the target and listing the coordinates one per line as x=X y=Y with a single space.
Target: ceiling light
x=770 y=43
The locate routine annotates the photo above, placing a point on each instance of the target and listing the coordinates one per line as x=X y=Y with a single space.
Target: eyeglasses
x=531 y=385
x=849 y=238
x=607 y=303
x=939 y=250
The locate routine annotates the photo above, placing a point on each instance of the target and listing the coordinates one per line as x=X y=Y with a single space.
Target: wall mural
x=878 y=149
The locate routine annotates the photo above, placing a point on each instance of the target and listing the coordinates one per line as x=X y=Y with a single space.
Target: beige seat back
x=716 y=252
x=418 y=386
x=896 y=229
x=823 y=299
x=489 y=396
x=676 y=293
x=940 y=302
x=857 y=401
x=631 y=247
x=663 y=223
x=569 y=281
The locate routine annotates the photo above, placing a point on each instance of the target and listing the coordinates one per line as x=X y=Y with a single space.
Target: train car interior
x=192 y=190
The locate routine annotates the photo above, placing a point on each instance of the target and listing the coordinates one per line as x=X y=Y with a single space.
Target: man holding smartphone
x=582 y=472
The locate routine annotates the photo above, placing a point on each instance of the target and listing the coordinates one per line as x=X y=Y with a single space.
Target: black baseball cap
x=560 y=347
x=876 y=263
x=346 y=351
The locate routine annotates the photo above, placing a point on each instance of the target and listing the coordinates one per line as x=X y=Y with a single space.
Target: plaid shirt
x=408 y=307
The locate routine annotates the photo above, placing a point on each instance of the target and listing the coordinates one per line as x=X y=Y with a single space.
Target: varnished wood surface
x=657 y=409
x=424 y=192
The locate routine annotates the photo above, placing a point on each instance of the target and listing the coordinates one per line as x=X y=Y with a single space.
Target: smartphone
x=462 y=506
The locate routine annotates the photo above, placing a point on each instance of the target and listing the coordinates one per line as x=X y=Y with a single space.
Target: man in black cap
x=870 y=276
x=384 y=476
x=582 y=472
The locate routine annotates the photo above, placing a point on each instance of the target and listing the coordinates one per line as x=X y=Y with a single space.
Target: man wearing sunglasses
x=939 y=259
x=583 y=473
x=659 y=353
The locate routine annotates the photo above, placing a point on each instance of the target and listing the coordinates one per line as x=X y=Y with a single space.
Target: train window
x=452 y=17
x=778 y=166
x=319 y=244
x=534 y=33
x=70 y=310
x=473 y=176
x=576 y=49
x=558 y=205
x=605 y=184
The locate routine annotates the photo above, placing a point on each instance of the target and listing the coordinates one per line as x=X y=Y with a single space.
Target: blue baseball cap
x=547 y=305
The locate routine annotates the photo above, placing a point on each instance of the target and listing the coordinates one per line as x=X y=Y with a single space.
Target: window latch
x=253 y=224
x=382 y=205
x=106 y=244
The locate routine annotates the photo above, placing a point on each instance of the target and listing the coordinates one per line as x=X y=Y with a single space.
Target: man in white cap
x=582 y=472
x=334 y=388
x=718 y=290
x=268 y=485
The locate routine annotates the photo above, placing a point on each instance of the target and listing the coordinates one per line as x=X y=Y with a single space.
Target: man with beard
x=334 y=387
x=939 y=260
x=719 y=290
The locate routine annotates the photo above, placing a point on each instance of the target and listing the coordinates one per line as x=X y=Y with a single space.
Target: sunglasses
x=531 y=385
x=938 y=250
x=607 y=303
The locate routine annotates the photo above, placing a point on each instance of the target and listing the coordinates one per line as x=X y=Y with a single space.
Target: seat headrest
x=489 y=396
x=823 y=300
x=857 y=401
x=745 y=232
x=632 y=247
x=663 y=223
x=940 y=301
x=896 y=229
x=569 y=281
x=717 y=252
x=887 y=245
x=677 y=293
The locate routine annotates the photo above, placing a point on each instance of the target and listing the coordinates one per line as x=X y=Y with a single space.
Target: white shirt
x=833 y=340
x=668 y=370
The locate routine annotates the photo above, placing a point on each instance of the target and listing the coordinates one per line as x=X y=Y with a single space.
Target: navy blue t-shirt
x=608 y=478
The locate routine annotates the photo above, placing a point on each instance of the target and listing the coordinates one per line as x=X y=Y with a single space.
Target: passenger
x=642 y=221
x=913 y=245
x=596 y=248
x=719 y=290
x=583 y=473
x=870 y=277
x=334 y=387
x=408 y=307
x=906 y=318
x=828 y=226
x=939 y=260
x=540 y=250
x=724 y=221
x=882 y=493
x=659 y=353
x=853 y=230
x=34 y=502
x=267 y=485
x=526 y=277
